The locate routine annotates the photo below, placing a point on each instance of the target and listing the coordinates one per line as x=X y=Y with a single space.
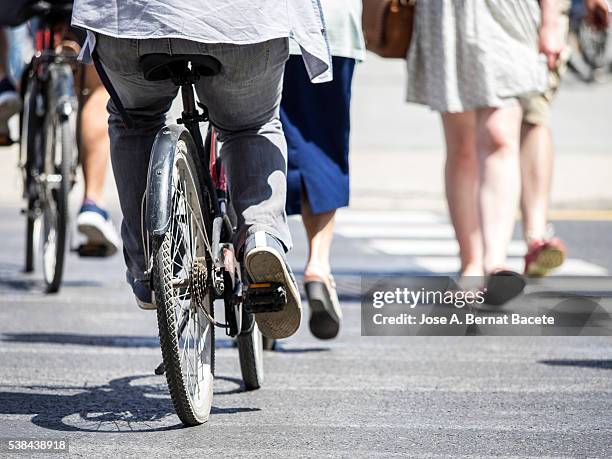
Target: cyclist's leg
x=10 y=102
x=93 y=221
x=244 y=102
x=94 y=136
x=147 y=103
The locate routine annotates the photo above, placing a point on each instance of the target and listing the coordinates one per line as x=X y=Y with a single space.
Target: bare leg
x=461 y=178
x=536 y=177
x=320 y=233
x=93 y=222
x=95 y=142
x=498 y=134
x=10 y=101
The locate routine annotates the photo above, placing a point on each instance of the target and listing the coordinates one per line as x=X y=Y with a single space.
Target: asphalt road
x=79 y=366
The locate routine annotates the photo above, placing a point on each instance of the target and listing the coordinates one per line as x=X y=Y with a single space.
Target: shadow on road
x=127 y=341
x=279 y=347
x=130 y=404
x=82 y=340
x=14 y=279
x=586 y=363
x=299 y=350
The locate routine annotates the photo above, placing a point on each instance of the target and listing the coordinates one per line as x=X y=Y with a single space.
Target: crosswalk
x=417 y=242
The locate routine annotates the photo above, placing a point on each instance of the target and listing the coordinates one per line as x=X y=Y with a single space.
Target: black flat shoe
x=325 y=311
x=503 y=286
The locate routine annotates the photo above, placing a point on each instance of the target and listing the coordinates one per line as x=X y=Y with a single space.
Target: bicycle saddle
x=158 y=66
x=53 y=9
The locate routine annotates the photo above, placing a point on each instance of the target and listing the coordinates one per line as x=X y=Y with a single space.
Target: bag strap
x=126 y=118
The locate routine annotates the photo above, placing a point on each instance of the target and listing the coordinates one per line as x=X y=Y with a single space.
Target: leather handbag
x=387 y=26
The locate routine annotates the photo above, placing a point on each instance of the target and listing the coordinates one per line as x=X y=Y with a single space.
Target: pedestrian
x=316 y=121
x=472 y=61
x=545 y=251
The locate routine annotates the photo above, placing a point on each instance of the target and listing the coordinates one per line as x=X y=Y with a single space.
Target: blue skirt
x=316 y=121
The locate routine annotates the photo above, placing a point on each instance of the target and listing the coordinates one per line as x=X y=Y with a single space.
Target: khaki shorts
x=536 y=110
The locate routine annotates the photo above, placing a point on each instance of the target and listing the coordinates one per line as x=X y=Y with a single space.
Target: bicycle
x=48 y=154
x=188 y=225
x=592 y=58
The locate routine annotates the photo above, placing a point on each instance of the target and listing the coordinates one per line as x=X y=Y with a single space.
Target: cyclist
x=93 y=222
x=250 y=40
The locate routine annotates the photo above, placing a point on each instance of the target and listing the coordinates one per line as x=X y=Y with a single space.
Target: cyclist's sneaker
x=94 y=223
x=10 y=104
x=264 y=260
x=325 y=311
x=145 y=298
x=543 y=256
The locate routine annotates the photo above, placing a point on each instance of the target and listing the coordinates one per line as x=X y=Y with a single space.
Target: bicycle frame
x=158 y=209
x=50 y=67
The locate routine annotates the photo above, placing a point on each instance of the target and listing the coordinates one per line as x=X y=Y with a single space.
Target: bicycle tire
x=250 y=354
x=32 y=236
x=269 y=344
x=28 y=131
x=55 y=208
x=191 y=403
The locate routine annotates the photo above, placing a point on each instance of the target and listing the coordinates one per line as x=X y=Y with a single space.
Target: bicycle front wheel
x=183 y=292
x=56 y=186
x=30 y=152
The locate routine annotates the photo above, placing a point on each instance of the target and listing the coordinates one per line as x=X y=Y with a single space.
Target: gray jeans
x=243 y=102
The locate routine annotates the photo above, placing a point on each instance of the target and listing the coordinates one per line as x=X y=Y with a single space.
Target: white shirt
x=343 y=24
x=212 y=21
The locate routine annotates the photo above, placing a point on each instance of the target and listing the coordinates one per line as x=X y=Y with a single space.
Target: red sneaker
x=543 y=256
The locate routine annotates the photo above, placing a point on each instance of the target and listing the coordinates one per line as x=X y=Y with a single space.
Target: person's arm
x=551 y=42
x=598 y=13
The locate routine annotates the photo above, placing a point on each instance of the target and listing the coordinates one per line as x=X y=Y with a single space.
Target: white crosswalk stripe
x=424 y=242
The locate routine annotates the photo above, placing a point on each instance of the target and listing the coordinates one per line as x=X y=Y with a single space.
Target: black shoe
x=325 y=311
x=264 y=261
x=503 y=286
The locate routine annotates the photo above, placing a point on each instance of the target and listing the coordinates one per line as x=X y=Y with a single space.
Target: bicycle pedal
x=265 y=297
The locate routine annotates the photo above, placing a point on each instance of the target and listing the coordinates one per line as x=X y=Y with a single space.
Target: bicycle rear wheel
x=183 y=291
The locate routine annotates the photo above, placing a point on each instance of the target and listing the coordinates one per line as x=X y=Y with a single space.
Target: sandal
x=325 y=311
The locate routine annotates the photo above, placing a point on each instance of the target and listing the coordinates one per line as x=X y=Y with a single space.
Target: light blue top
x=343 y=24
x=212 y=21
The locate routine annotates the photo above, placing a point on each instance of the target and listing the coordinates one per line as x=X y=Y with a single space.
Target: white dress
x=468 y=54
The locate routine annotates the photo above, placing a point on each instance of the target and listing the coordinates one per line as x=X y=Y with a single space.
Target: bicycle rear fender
x=159 y=180
x=62 y=95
